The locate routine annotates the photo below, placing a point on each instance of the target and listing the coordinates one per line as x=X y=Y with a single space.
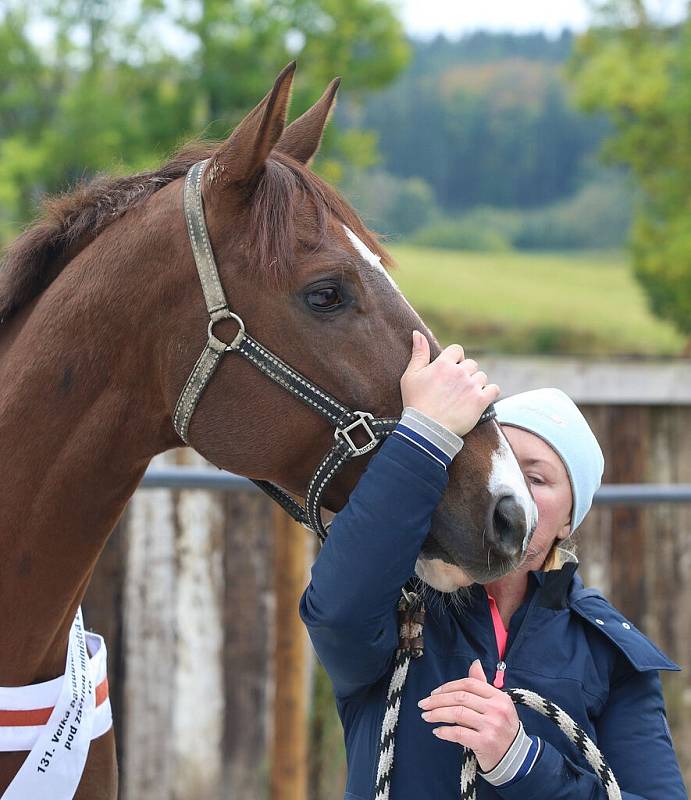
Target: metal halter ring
x=239 y=336
x=410 y=597
x=363 y=416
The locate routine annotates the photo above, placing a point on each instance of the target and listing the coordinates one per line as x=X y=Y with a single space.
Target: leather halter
x=345 y=420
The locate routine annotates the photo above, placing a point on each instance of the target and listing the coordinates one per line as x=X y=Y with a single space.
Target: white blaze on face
x=373 y=260
x=506 y=478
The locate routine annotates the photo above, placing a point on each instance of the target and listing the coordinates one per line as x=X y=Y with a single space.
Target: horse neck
x=79 y=422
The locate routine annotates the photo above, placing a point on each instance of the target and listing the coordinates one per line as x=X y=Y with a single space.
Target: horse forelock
x=286 y=186
x=71 y=221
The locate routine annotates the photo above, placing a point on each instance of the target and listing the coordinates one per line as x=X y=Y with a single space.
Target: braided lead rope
x=526 y=697
x=468 y=774
x=585 y=745
x=567 y=725
x=387 y=739
x=411 y=645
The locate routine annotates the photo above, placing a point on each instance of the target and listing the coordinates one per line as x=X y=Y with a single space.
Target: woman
x=537 y=628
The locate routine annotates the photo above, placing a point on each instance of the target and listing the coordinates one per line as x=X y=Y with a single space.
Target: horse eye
x=325 y=299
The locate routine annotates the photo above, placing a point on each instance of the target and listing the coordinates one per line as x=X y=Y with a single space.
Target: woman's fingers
x=456 y=715
x=470 y=365
x=475 y=714
x=471 y=685
x=453 y=353
x=491 y=391
x=454 y=698
x=451 y=389
x=465 y=736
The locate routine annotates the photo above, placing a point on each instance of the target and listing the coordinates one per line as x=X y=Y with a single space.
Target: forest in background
x=474 y=143
x=482 y=147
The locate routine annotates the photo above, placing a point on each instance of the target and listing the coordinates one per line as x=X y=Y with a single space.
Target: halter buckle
x=219 y=344
x=363 y=416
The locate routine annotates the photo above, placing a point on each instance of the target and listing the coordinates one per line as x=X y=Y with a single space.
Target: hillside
x=585 y=303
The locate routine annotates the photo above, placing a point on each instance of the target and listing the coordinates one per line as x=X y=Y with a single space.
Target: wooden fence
x=196 y=596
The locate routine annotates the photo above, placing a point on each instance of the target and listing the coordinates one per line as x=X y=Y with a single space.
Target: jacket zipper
x=501 y=664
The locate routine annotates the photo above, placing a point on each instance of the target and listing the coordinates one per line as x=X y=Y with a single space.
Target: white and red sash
x=57 y=720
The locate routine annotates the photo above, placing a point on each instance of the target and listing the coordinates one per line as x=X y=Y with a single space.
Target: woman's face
x=551 y=488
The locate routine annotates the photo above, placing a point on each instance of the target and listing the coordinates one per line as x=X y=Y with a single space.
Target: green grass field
x=586 y=303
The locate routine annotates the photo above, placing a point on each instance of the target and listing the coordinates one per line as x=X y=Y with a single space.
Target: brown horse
x=102 y=320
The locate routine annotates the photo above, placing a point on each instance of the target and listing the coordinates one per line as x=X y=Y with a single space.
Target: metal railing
x=213 y=479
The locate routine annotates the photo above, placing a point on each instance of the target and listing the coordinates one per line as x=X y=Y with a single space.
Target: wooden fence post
x=289 y=756
x=629 y=442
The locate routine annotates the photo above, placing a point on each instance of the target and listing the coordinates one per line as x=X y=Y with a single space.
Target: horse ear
x=302 y=137
x=241 y=157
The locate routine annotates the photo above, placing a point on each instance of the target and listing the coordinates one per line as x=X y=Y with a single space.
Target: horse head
x=308 y=279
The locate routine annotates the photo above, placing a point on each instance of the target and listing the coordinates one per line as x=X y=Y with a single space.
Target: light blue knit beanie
x=554 y=417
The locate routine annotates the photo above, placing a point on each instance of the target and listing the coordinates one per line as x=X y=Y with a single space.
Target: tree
x=116 y=88
x=639 y=73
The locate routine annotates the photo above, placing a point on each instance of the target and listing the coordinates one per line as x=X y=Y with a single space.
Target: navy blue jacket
x=565 y=642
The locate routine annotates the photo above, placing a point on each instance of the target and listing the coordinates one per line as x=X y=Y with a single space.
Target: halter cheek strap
x=348 y=424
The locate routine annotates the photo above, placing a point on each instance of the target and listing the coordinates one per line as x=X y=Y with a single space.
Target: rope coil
x=411 y=621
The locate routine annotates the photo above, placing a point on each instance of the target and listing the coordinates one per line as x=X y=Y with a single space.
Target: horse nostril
x=508 y=526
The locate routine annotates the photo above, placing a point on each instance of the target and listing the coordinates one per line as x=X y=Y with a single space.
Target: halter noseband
x=345 y=420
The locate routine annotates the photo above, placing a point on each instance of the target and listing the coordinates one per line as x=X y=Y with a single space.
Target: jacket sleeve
x=633 y=736
x=349 y=606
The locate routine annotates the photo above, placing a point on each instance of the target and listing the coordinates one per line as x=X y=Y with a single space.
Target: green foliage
x=481 y=229
x=662 y=261
x=597 y=216
x=481 y=47
x=392 y=206
x=117 y=89
x=640 y=74
x=240 y=42
x=354 y=149
x=327 y=763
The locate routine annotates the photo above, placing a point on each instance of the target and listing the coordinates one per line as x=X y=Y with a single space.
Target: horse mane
x=71 y=221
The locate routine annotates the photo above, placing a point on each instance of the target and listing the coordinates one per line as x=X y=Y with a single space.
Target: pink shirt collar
x=501 y=635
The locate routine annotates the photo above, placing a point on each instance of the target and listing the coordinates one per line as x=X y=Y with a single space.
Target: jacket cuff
x=546 y=779
x=427 y=434
x=517 y=762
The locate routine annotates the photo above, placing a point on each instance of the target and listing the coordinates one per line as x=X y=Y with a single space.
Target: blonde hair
x=562 y=550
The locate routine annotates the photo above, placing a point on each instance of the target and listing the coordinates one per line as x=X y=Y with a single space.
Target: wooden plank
x=289 y=752
x=661 y=527
x=249 y=626
x=198 y=723
x=596 y=381
x=628 y=451
x=103 y=613
x=675 y=594
x=594 y=536
x=149 y=645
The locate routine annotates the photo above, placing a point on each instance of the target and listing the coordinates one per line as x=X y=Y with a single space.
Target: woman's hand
x=451 y=390
x=481 y=716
